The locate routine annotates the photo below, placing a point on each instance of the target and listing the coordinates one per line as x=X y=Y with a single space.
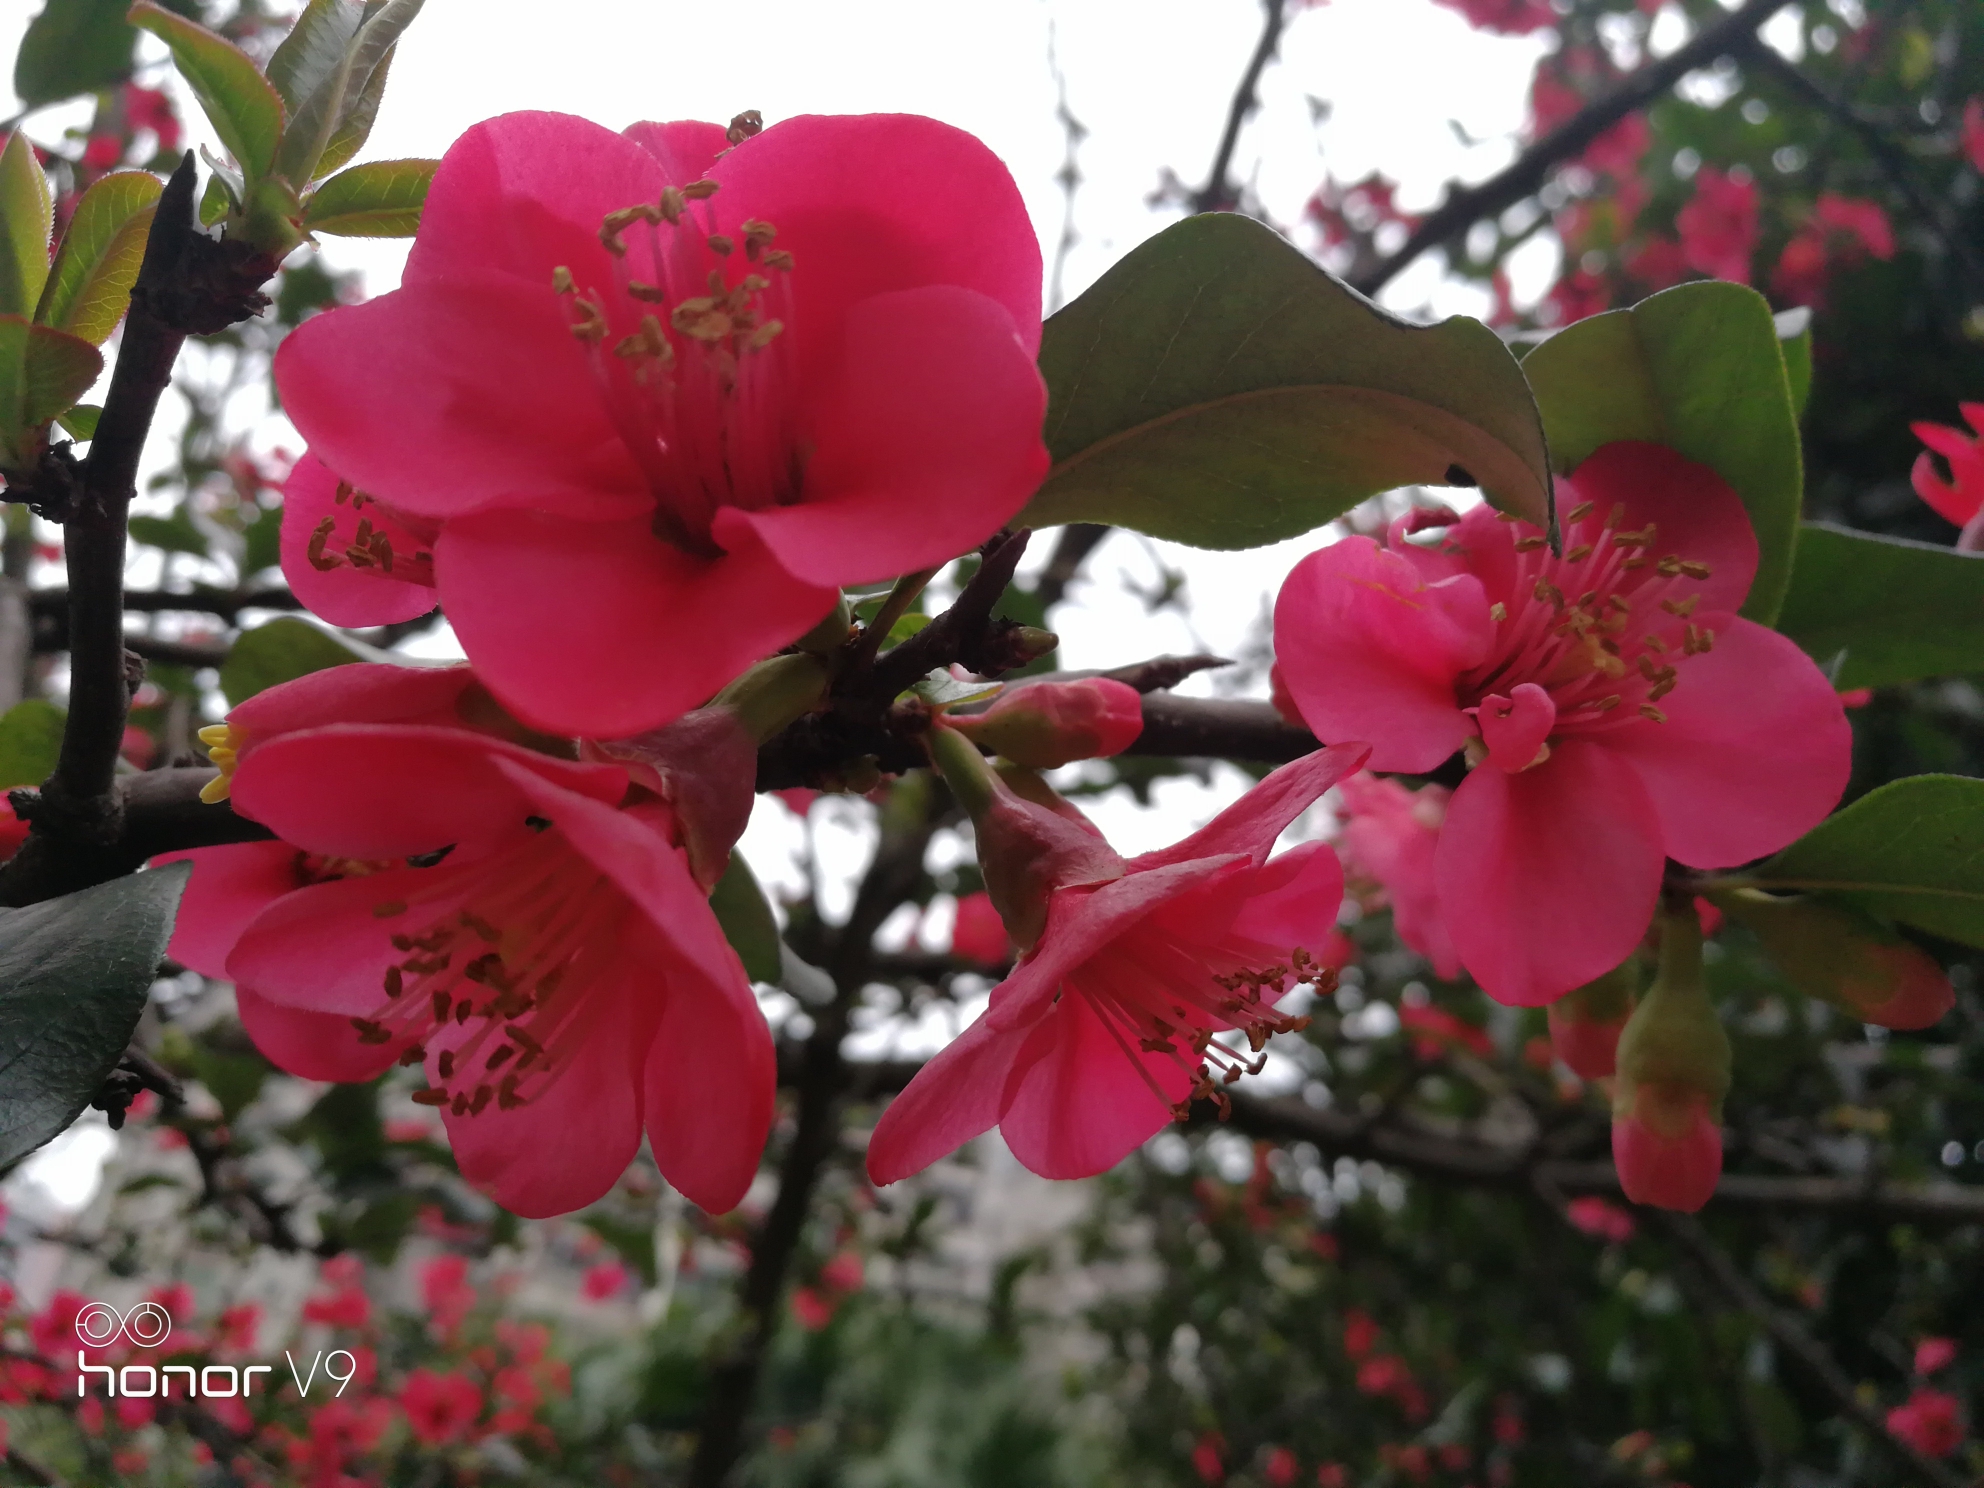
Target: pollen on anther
x=744 y=126
x=1579 y=512
x=1529 y=544
x=1498 y=612
x=561 y=281
x=1648 y=711
x=699 y=190
x=1578 y=554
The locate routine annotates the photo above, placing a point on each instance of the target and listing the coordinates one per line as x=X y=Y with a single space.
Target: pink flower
x=1209 y=1458
x=1673 y=1072
x=1657 y=263
x=1928 y=1422
x=1614 y=708
x=1508 y=17
x=445 y=1292
x=1844 y=230
x=1858 y=224
x=1973 y=133
x=1600 y=1220
x=527 y=927
x=1360 y=1334
x=1388 y=838
x=1104 y=1029
x=1435 y=1030
x=1960 y=499
x=1932 y=1354
x=1279 y=1467
x=658 y=385
x=603 y=1282
x=13 y=831
x=440 y=1408
x=1718 y=226
x=843 y=1271
x=813 y=1309
x=979 y=934
x=1044 y=725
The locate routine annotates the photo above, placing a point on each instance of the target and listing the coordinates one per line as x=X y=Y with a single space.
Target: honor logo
x=148 y=1325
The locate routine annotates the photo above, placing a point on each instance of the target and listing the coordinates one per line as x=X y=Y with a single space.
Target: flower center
x=1172 y=1001
x=369 y=545
x=1584 y=642
x=498 y=973
x=688 y=353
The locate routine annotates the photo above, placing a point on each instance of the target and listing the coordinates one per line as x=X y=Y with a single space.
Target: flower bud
x=1841 y=956
x=1025 y=850
x=1673 y=1067
x=1585 y=1024
x=1044 y=725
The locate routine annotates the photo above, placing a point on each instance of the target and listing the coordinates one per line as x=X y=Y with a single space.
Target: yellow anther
x=1693 y=569
x=1579 y=512
x=648 y=293
x=224 y=744
x=701 y=318
x=1681 y=608
x=699 y=190
x=1498 y=612
x=765 y=334
x=343 y=493
x=591 y=324
x=744 y=126
x=1669 y=566
x=1614 y=517
x=1607 y=704
x=778 y=258
x=561 y=281
x=720 y=244
x=314 y=550
x=1528 y=544
x=670 y=206
x=757 y=237
x=1654 y=643
x=1578 y=554
x=1652 y=714
x=648 y=343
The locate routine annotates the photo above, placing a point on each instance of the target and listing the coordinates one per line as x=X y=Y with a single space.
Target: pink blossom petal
x=584 y=627
x=422 y=789
x=953 y=1098
x=325 y=949
x=1077 y=1102
x=1755 y=751
x=1252 y=823
x=1370 y=652
x=685 y=148
x=1515 y=727
x=1294 y=900
x=950 y=214
x=1669 y=1151
x=523 y=192
x=1695 y=512
x=487 y=397
x=898 y=483
x=228 y=888
x=312 y=1046
x=570 y=1144
x=1952 y=503
x=342 y=594
x=1548 y=879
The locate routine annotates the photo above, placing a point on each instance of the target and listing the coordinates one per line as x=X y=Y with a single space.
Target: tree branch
x=1464 y=207
x=1218 y=195
x=1790 y=1336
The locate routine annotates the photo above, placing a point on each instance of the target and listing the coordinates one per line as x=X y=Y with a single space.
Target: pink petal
x=344 y=595
x=925 y=436
x=953 y=1098
x=525 y=192
x=1951 y=503
x=1696 y=513
x=1370 y=651
x=1077 y=1103
x=570 y=1144
x=1669 y=1151
x=312 y=1046
x=1548 y=879
x=685 y=148
x=1252 y=823
x=950 y=213
x=1294 y=900
x=1515 y=727
x=324 y=949
x=419 y=788
x=451 y=395
x=359 y=692
x=228 y=888
x=1755 y=751
x=582 y=627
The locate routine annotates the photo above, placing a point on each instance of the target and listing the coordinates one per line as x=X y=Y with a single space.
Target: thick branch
x=1466 y=206
x=226 y=603
x=1219 y=728
x=1790 y=1336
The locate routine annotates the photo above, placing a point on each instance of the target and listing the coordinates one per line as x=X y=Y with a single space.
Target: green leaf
x=1794 y=339
x=72 y=47
x=1833 y=952
x=263 y=542
x=217 y=200
x=80 y=421
x=330 y=104
x=941 y=690
x=1217 y=388
x=27 y=217
x=746 y=917
x=1912 y=851
x=1884 y=609
x=74 y=973
x=380 y=199
x=30 y=742
x=1697 y=368
x=360 y=112
x=90 y=285
x=175 y=534
x=245 y=111
x=315 y=46
x=285 y=649
x=42 y=373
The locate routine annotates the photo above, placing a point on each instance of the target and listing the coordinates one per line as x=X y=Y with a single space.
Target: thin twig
x=1071 y=550
x=1791 y=1336
x=1073 y=132
x=962 y=633
x=1466 y=206
x=1218 y=195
